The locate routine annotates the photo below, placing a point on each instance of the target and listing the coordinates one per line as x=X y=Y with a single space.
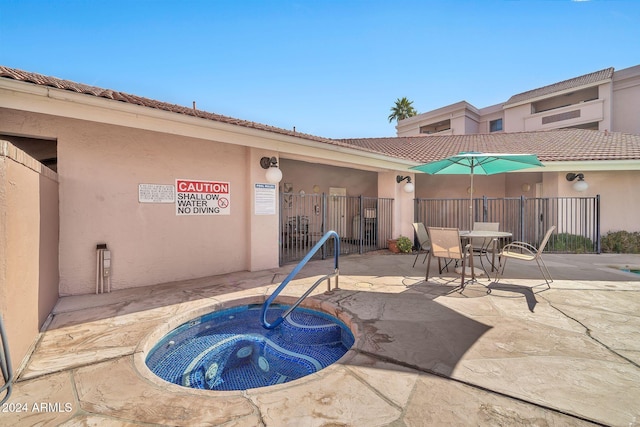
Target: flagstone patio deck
x=424 y=353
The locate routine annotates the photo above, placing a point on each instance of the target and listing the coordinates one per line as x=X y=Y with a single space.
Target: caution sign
x=202 y=197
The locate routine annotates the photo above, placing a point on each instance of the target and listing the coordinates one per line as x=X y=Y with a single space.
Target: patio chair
x=423 y=241
x=526 y=252
x=482 y=247
x=445 y=243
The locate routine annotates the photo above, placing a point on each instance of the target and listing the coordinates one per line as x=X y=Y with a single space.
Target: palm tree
x=402 y=110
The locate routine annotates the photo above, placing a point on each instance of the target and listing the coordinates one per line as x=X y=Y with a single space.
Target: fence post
x=598 y=241
x=361 y=225
x=416 y=206
x=324 y=223
x=521 y=219
x=484 y=210
x=280 y=229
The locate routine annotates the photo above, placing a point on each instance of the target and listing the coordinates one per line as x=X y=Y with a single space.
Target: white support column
x=263 y=237
x=403 y=205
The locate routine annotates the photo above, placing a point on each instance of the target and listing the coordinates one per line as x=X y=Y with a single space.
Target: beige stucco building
x=604 y=100
x=76 y=159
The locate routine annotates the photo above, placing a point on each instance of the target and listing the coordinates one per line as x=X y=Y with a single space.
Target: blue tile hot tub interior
x=230 y=350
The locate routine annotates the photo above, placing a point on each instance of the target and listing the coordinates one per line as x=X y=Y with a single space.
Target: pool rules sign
x=202 y=197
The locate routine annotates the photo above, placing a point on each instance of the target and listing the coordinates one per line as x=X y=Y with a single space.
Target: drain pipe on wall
x=5 y=365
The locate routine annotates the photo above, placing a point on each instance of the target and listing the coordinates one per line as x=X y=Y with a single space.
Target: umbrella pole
x=471 y=202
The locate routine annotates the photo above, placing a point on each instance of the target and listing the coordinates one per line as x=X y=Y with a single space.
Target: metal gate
x=577 y=219
x=363 y=224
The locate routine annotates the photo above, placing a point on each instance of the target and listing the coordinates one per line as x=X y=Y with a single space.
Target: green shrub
x=404 y=244
x=565 y=242
x=624 y=242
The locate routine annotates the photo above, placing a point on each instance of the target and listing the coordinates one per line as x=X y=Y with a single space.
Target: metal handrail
x=5 y=364
x=295 y=271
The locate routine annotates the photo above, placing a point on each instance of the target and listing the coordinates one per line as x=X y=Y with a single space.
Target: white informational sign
x=265 y=199
x=156 y=193
x=202 y=197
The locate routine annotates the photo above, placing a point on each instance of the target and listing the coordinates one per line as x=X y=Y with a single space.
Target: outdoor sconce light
x=408 y=187
x=273 y=174
x=580 y=184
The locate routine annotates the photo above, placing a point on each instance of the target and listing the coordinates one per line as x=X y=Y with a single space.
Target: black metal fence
x=363 y=224
x=577 y=219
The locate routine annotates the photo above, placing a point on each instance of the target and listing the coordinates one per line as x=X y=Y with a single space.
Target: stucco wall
x=619 y=204
x=402 y=202
x=306 y=175
x=626 y=104
x=514 y=118
x=522 y=184
x=100 y=168
x=456 y=186
x=605 y=94
x=28 y=247
x=470 y=126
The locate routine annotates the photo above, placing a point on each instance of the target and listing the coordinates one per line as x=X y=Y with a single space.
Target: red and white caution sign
x=202 y=197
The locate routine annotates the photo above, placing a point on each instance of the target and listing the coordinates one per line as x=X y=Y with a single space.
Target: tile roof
x=587 y=79
x=552 y=145
x=39 y=79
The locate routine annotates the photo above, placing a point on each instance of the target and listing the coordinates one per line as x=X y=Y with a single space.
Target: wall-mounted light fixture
x=408 y=187
x=273 y=174
x=580 y=184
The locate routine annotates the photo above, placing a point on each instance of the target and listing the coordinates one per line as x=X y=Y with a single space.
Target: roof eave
x=590 y=165
x=508 y=105
x=45 y=100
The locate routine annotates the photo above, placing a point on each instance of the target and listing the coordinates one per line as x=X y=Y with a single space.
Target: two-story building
x=605 y=100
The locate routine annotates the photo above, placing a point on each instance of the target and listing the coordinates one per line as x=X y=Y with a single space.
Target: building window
x=495 y=125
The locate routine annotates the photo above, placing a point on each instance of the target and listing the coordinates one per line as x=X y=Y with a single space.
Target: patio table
x=490 y=238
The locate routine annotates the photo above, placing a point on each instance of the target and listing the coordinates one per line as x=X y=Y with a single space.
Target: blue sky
x=330 y=68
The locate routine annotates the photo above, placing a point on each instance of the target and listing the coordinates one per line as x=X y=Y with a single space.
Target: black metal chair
x=423 y=241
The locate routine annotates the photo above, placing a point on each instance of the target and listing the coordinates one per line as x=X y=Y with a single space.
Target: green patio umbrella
x=475 y=163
